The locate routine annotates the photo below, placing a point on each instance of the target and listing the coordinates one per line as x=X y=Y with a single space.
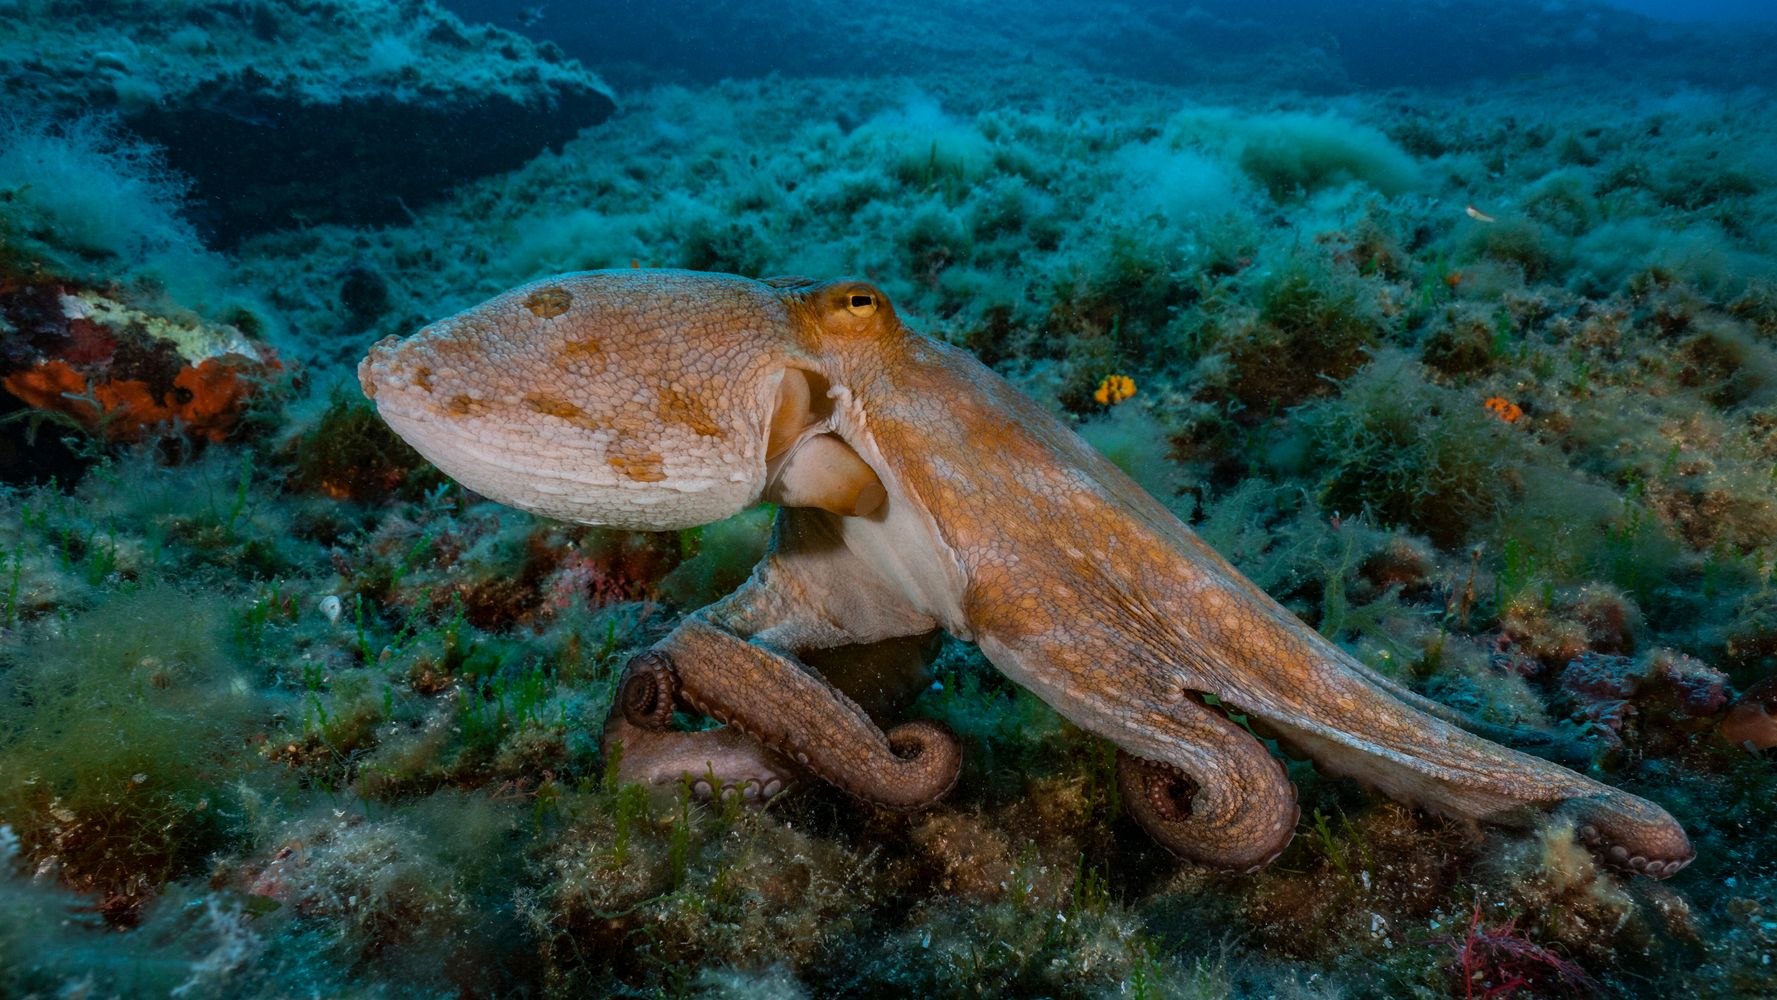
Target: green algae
x=113 y=741
x=1312 y=323
x=1413 y=454
x=350 y=453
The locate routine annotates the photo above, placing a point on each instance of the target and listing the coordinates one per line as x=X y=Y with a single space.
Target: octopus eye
x=860 y=304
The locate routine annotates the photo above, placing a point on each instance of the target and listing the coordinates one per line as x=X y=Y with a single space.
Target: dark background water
x=1295 y=43
x=1704 y=10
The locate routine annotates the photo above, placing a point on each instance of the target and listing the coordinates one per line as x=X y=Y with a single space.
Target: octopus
x=918 y=492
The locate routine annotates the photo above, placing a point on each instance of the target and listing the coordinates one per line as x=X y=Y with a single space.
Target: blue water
x=1743 y=11
x=1378 y=44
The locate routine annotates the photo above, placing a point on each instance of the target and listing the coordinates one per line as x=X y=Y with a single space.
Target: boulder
x=290 y=113
x=77 y=359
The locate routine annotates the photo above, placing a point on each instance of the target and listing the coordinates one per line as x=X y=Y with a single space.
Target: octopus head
x=643 y=399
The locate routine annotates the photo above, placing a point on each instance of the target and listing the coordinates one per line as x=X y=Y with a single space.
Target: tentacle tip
x=1622 y=859
x=1161 y=798
x=1630 y=835
x=933 y=763
x=1644 y=862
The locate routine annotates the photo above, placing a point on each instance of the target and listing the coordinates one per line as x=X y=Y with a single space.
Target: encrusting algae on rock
x=124 y=374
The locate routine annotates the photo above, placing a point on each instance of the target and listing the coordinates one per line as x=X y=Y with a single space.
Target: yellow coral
x=1114 y=389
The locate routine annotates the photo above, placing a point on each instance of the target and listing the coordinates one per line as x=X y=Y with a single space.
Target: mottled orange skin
x=1000 y=526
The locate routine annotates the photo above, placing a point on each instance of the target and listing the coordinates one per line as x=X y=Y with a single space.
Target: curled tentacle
x=930 y=744
x=791 y=710
x=1197 y=781
x=1630 y=833
x=649 y=691
x=1240 y=818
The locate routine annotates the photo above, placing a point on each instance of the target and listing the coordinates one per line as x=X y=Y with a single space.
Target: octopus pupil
x=860 y=300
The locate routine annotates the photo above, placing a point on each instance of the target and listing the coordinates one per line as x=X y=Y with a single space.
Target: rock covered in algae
x=124 y=372
x=285 y=114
